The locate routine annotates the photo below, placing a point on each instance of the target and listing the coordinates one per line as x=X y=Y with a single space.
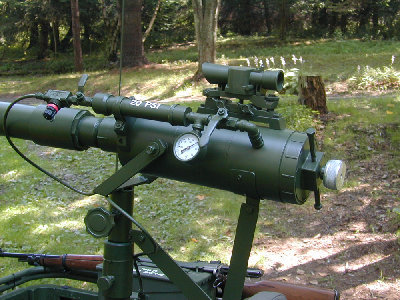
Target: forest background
x=43 y=29
x=352 y=244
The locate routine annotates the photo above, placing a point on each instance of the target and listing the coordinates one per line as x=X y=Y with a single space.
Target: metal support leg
x=241 y=249
x=117 y=277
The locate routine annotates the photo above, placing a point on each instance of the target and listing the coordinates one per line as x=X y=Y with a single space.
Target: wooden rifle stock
x=291 y=291
x=71 y=261
x=90 y=262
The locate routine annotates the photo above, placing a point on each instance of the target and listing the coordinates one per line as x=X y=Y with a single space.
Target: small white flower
x=393 y=57
x=301 y=60
x=261 y=63
x=294 y=58
x=256 y=61
x=283 y=62
x=358 y=68
x=272 y=60
x=248 y=62
x=267 y=62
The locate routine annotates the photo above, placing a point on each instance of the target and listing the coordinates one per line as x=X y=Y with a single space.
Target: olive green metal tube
x=17 y=121
x=218 y=74
x=122 y=107
x=270 y=80
x=229 y=161
x=115 y=282
x=71 y=129
x=215 y=74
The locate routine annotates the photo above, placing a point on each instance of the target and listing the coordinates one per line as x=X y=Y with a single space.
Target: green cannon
x=218 y=146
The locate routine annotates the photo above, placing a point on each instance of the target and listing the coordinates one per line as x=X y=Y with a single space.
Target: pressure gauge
x=187 y=146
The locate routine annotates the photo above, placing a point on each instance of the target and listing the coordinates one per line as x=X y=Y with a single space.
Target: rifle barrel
x=66 y=261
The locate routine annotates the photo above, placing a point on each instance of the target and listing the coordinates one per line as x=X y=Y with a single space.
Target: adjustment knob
x=104 y=283
x=334 y=174
x=99 y=222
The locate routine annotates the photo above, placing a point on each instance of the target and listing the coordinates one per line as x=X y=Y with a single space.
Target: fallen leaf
x=194 y=240
x=314 y=282
x=300 y=272
x=388 y=112
x=200 y=197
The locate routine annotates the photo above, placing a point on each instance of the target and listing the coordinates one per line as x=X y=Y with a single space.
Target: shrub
x=380 y=79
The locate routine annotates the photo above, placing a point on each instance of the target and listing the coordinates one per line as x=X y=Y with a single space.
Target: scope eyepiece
x=269 y=80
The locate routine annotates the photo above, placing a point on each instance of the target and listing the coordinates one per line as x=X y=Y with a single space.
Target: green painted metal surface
x=273 y=172
x=241 y=250
x=50 y=292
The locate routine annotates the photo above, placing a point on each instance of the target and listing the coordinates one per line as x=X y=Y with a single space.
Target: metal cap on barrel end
x=334 y=174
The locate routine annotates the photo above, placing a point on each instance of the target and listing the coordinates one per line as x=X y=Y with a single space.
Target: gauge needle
x=188 y=148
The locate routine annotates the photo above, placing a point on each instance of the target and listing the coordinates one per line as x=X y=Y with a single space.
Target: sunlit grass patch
x=334 y=60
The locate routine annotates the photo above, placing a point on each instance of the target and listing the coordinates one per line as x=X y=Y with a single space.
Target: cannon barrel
x=277 y=171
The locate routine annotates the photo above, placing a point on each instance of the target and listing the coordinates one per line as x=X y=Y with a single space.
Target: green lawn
x=335 y=60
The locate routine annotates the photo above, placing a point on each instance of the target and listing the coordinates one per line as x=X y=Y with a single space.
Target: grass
x=335 y=60
x=366 y=127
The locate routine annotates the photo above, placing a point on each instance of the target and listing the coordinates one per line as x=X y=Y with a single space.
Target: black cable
x=37 y=96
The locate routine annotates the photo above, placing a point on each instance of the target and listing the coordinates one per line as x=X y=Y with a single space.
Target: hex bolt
x=152 y=149
x=141 y=237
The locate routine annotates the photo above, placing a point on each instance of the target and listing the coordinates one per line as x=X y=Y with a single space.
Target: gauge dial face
x=186 y=147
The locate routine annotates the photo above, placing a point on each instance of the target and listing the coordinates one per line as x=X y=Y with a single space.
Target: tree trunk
x=375 y=18
x=43 y=39
x=364 y=14
x=55 y=36
x=112 y=24
x=66 y=41
x=312 y=93
x=283 y=15
x=133 y=50
x=153 y=18
x=343 y=23
x=267 y=16
x=76 y=33
x=205 y=20
x=33 y=35
x=87 y=32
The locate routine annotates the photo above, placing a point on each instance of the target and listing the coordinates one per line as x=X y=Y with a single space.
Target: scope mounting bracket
x=252 y=111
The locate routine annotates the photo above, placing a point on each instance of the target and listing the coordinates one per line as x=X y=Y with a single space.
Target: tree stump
x=312 y=93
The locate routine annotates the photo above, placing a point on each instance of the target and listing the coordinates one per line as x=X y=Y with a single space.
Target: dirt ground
x=349 y=245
